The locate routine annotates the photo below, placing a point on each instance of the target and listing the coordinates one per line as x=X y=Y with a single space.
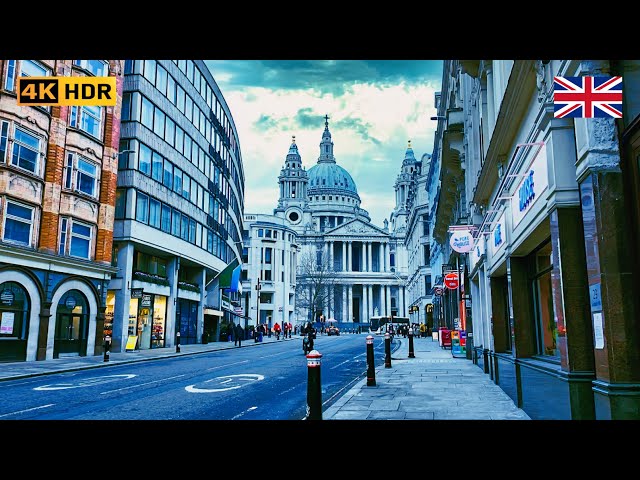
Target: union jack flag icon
x=587 y=97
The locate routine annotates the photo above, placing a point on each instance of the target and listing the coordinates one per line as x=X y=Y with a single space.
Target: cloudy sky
x=374 y=108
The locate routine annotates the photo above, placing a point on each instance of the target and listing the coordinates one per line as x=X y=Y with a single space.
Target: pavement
x=431 y=386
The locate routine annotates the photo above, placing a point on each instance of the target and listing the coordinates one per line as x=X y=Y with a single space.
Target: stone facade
x=544 y=197
x=57 y=184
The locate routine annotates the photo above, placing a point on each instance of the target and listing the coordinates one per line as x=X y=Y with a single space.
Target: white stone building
x=322 y=206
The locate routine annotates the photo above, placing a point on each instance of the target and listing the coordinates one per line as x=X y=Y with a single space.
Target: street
x=268 y=383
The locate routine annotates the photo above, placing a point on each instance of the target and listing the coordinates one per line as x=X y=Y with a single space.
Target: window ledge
x=21 y=171
x=87 y=135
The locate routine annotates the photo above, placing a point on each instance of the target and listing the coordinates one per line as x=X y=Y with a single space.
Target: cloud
x=385 y=105
x=324 y=76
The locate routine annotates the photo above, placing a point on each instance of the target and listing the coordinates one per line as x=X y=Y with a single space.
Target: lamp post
x=258 y=288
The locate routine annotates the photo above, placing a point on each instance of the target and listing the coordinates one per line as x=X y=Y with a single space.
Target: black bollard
x=387 y=350
x=178 y=342
x=411 y=355
x=314 y=388
x=107 y=347
x=371 y=371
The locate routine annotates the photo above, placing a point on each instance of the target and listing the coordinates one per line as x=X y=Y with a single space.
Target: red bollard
x=314 y=390
x=371 y=370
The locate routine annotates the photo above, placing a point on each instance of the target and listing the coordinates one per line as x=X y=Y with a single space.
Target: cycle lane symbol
x=226 y=382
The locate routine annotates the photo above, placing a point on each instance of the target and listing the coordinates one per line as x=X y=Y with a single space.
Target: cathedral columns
x=400 y=301
x=369 y=263
x=331 y=256
x=365 y=303
x=381 y=257
x=370 y=302
x=344 y=303
x=387 y=292
x=344 y=256
x=349 y=253
x=387 y=268
x=350 y=303
x=363 y=265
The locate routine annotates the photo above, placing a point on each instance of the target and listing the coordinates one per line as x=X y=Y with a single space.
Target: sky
x=374 y=108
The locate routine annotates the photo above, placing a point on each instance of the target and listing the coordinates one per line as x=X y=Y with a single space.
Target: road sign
x=451 y=281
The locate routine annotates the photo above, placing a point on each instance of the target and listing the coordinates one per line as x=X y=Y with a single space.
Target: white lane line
x=27 y=410
x=242 y=413
x=274 y=355
x=287 y=391
x=13 y=384
x=336 y=366
x=142 y=384
x=226 y=365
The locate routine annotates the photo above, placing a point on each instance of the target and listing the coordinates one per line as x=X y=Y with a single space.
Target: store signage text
x=526 y=192
x=461 y=241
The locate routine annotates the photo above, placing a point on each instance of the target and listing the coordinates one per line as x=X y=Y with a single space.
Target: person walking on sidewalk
x=276 y=330
x=238 y=334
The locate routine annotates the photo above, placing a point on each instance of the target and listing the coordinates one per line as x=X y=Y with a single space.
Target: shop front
x=14 y=322
x=147 y=320
x=187 y=320
x=72 y=325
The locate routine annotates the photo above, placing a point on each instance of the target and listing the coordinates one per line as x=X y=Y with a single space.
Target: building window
x=184 y=227
x=267 y=275
x=156 y=166
x=427 y=254
x=154 y=213
x=26 y=151
x=147 y=113
x=245 y=254
x=425 y=225
x=267 y=255
x=81 y=175
x=98 y=68
x=392 y=259
x=177 y=180
x=260 y=232
x=75 y=238
x=167 y=180
x=4 y=137
x=87 y=119
x=546 y=326
x=166 y=219
x=18 y=222
x=175 y=223
x=427 y=284
x=28 y=68
x=266 y=297
x=121 y=202
x=142 y=208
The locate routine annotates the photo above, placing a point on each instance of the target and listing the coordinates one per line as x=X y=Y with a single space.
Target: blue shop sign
x=526 y=192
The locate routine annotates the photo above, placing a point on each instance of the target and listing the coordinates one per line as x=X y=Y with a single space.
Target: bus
x=378 y=325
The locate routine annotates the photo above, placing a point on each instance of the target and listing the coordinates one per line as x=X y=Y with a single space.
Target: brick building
x=58 y=173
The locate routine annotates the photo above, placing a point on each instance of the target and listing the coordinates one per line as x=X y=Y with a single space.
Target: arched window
x=14 y=321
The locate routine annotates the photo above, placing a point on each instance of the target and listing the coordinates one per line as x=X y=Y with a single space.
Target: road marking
x=348 y=360
x=226 y=365
x=246 y=377
x=348 y=385
x=142 y=384
x=287 y=391
x=242 y=413
x=274 y=355
x=27 y=410
x=87 y=382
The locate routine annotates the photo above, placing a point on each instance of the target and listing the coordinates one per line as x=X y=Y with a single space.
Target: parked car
x=333 y=330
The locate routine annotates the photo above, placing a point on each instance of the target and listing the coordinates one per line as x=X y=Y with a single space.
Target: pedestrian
x=230 y=330
x=290 y=327
x=276 y=329
x=268 y=331
x=256 y=332
x=285 y=328
x=238 y=334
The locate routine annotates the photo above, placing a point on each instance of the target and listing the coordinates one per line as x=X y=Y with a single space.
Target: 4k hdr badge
x=67 y=91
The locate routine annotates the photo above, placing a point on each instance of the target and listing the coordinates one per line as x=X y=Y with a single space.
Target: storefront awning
x=225 y=275
x=213 y=311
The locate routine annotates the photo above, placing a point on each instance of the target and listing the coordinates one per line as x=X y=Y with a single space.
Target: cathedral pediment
x=356 y=227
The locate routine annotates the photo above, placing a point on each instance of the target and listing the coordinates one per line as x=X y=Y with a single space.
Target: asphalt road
x=268 y=383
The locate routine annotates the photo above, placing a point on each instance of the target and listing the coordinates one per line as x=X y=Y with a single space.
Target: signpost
x=451 y=281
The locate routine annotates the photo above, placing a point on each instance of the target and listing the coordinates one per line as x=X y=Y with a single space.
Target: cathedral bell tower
x=293 y=180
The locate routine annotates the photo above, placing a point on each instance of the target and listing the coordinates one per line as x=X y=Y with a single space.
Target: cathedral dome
x=325 y=177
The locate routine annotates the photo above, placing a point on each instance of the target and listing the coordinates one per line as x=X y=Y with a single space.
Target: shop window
x=14 y=320
x=546 y=326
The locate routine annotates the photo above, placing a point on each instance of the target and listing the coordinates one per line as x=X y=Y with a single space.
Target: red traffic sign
x=451 y=281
